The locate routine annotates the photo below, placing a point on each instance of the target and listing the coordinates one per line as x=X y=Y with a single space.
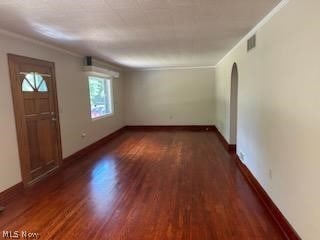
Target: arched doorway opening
x=234 y=105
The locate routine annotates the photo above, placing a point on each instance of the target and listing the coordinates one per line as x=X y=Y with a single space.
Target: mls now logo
x=20 y=235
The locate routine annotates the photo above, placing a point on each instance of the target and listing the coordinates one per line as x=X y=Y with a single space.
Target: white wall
x=169 y=97
x=73 y=100
x=279 y=116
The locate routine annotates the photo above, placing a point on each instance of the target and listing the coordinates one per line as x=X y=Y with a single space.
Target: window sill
x=102 y=117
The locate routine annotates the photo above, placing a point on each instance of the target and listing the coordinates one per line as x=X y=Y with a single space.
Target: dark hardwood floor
x=145 y=185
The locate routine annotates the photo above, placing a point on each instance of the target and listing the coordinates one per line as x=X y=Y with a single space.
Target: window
x=34 y=82
x=100 y=97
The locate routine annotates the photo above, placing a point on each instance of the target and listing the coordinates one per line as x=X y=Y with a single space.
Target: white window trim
x=100 y=72
x=106 y=77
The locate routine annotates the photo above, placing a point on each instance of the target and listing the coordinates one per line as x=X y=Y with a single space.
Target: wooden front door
x=36 y=112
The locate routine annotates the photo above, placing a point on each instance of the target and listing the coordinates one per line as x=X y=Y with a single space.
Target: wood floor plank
x=145 y=185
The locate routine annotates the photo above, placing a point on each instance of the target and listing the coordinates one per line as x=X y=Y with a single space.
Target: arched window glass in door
x=34 y=82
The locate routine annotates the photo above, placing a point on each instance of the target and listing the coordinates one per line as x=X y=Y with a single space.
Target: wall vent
x=251 y=43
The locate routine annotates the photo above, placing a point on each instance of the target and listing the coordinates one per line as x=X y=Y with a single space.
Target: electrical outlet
x=270 y=173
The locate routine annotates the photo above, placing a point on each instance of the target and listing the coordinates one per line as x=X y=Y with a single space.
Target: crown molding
x=167 y=68
x=38 y=42
x=53 y=47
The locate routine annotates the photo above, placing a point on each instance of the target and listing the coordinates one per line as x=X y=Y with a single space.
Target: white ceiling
x=138 y=33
